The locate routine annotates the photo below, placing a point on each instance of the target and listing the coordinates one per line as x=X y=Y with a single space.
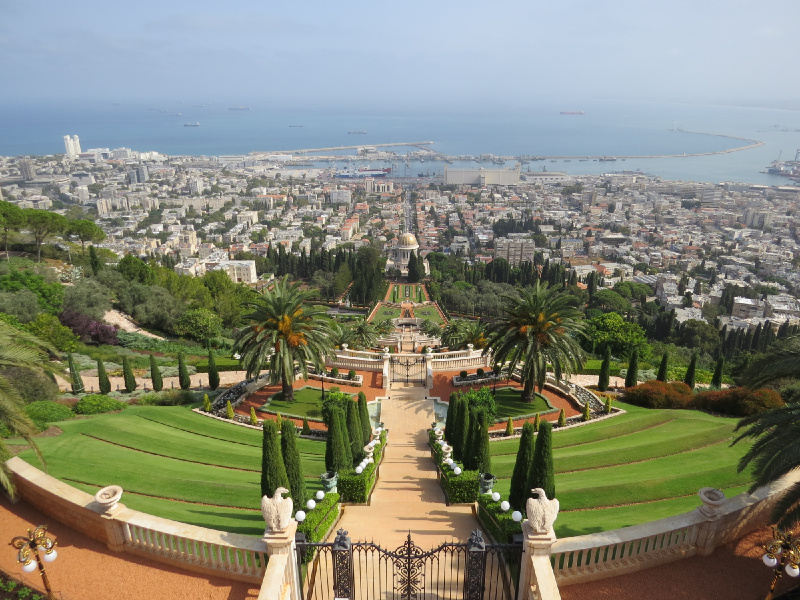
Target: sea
x=605 y=129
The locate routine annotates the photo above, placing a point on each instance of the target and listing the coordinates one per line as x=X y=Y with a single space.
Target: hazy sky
x=410 y=53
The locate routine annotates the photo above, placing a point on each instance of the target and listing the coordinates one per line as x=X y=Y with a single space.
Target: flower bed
x=358 y=381
x=474 y=380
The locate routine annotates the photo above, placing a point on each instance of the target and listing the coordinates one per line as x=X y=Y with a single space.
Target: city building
x=515 y=251
x=72 y=146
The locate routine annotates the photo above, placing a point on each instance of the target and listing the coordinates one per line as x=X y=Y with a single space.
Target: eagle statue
x=277 y=511
x=541 y=512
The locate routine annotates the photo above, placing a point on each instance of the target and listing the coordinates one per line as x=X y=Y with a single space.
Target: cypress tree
x=716 y=380
x=213 y=373
x=522 y=466
x=354 y=431
x=537 y=420
x=127 y=374
x=206 y=403
x=541 y=474
x=366 y=425
x=605 y=371
x=632 y=378
x=510 y=427
x=273 y=473
x=102 y=376
x=449 y=422
x=306 y=427
x=608 y=405
x=483 y=461
x=562 y=418
x=337 y=452
x=229 y=410
x=458 y=428
x=587 y=412
x=253 y=417
x=75 y=376
x=94 y=261
x=691 y=371
x=155 y=375
x=471 y=449
x=291 y=461
x=663 y=368
x=183 y=373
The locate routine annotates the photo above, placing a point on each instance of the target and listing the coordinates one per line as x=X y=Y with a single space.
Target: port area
x=425 y=152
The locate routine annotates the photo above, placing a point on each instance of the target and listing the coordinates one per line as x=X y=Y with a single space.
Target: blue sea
x=606 y=129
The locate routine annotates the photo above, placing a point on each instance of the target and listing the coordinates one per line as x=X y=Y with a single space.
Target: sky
x=400 y=54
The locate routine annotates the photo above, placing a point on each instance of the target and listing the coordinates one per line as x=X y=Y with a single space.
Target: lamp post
x=783 y=555
x=35 y=550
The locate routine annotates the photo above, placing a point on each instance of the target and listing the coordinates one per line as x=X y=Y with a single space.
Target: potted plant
x=487 y=481
x=351 y=374
x=463 y=374
x=329 y=479
x=479 y=373
x=334 y=372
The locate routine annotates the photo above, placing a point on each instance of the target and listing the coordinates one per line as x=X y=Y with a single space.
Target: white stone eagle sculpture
x=277 y=511
x=541 y=512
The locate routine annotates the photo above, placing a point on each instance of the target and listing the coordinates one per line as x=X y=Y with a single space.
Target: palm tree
x=363 y=334
x=775 y=452
x=430 y=328
x=284 y=329
x=384 y=327
x=458 y=333
x=17 y=349
x=537 y=327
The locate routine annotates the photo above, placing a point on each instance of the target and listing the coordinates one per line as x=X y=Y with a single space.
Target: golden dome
x=408 y=239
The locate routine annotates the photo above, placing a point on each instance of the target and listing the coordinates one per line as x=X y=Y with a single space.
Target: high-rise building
x=72 y=146
x=27 y=170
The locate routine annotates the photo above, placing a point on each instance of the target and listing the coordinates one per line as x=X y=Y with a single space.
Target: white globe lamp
x=516 y=516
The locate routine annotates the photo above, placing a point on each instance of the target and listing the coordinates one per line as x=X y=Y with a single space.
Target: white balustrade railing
x=232 y=554
x=277 y=579
x=454 y=364
x=362 y=364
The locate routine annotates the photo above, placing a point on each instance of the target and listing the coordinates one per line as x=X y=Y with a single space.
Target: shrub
x=482 y=399
x=355 y=487
x=229 y=410
x=95 y=404
x=460 y=488
x=562 y=418
x=213 y=373
x=48 y=412
x=608 y=405
x=87 y=329
x=351 y=374
x=479 y=373
x=537 y=420
x=75 y=376
x=462 y=374
x=155 y=375
x=497 y=522
x=127 y=374
x=183 y=373
x=102 y=377
x=306 y=427
x=273 y=473
x=739 y=401
x=167 y=398
x=334 y=372
x=206 y=403
x=253 y=417
x=657 y=394
x=31 y=385
x=510 y=427
x=319 y=521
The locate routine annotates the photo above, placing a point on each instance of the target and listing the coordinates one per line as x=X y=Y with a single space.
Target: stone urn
x=487 y=481
x=368 y=450
x=438 y=433
x=446 y=451
x=712 y=499
x=329 y=479
x=109 y=497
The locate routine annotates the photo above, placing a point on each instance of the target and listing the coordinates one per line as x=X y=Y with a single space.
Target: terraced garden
x=173 y=463
x=386 y=312
x=428 y=312
x=634 y=468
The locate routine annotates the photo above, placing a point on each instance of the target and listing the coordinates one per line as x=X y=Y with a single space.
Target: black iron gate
x=474 y=570
x=408 y=369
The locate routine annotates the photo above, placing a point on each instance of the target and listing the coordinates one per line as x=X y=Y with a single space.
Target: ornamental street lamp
x=35 y=550
x=783 y=555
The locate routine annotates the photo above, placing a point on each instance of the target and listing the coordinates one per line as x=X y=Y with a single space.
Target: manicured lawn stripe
x=509 y=403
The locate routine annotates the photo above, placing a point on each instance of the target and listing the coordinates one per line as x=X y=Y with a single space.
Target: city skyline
x=359 y=54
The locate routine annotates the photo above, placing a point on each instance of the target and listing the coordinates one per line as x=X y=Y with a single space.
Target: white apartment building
x=72 y=146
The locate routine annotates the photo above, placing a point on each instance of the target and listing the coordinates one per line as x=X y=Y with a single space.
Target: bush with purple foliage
x=87 y=329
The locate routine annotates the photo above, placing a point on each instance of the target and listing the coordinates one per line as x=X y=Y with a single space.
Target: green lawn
x=307 y=402
x=644 y=465
x=173 y=463
x=510 y=404
x=428 y=312
x=386 y=312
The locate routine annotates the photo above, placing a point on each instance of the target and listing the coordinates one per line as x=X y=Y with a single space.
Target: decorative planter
x=108 y=497
x=329 y=479
x=487 y=481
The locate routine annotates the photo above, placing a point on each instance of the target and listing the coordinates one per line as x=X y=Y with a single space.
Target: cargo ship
x=786 y=168
x=384 y=170
x=573 y=112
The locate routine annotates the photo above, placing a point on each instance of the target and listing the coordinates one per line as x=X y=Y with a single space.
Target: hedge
x=657 y=394
x=497 y=522
x=94 y=404
x=457 y=488
x=355 y=487
x=318 y=522
x=738 y=402
x=45 y=411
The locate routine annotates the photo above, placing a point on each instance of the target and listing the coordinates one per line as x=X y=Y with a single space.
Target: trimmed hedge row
x=497 y=522
x=458 y=489
x=318 y=522
x=735 y=402
x=356 y=488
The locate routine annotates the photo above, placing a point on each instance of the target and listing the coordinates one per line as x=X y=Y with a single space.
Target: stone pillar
x=429 y=369
x=387 y=370
x=283 y=542
x=708 y=531
x=536 y=569
x=108 y=499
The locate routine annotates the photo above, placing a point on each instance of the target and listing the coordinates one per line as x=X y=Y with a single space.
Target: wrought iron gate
x=408 y=369
x=453 y=571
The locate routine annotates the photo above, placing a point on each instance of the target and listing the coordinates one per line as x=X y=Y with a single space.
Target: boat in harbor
x=353 y=174
x=357 y=132
x=383 y=170
x=573 y=112
x=239 y=108
x=197 y=124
